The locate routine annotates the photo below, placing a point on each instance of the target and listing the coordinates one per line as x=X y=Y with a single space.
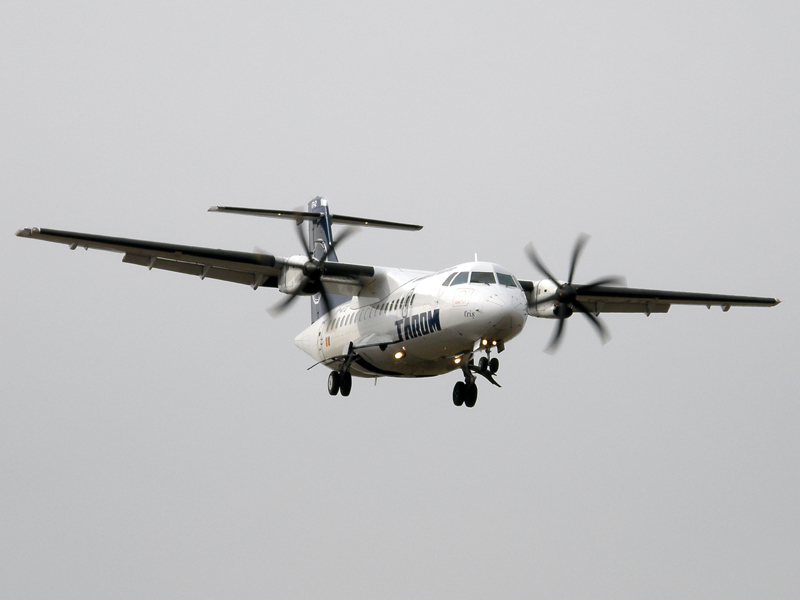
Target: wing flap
x=202 y=271
x=626 y=307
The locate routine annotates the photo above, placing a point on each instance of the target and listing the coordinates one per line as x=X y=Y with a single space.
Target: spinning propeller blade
x=313 y=270
x=566 y=294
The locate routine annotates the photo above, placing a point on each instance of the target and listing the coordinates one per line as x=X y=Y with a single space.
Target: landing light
x=399 y=354
x=484 y=342
x=457 y=360
x=494 y=342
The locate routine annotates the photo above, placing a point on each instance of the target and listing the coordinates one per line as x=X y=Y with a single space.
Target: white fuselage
x=421 y=327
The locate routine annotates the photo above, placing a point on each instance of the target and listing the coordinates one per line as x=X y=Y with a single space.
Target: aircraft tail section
x=320 y=236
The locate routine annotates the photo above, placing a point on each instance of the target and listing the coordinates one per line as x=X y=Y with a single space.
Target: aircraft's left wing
x=606 y=299
x=622 y=299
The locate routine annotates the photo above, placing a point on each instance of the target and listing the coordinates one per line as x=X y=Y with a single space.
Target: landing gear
x=465 y=393
x=472 y=395
x=345 y=383
x=334 y=381
x=494 y=364
x=484 y=365
x=459 y=393
x=340 y=382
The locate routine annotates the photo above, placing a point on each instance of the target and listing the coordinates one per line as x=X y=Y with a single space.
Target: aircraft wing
x=255 y=270
x=607 y=299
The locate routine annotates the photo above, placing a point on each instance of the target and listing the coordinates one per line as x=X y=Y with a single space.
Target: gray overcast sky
x=160 y=435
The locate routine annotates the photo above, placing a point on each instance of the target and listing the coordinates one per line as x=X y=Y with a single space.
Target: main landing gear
x=340 y=382
x=466 y=392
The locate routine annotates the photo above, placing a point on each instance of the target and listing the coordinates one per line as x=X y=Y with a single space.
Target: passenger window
x=482 y=277
x=507 y=280
x=448 y=280
x=460 y=278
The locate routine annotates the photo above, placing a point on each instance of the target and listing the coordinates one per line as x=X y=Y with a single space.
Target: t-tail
x=320 y=238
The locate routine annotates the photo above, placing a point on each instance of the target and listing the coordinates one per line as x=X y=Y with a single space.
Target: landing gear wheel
x=333 y=383
x=494 y=364
x=459 y=393
x=471 y=395
x=483 y=364
x=345 y=384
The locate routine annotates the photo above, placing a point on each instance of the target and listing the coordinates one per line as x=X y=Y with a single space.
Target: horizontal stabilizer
x=300 y=216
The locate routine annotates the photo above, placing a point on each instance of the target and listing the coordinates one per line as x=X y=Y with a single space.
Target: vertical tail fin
x=320 y=237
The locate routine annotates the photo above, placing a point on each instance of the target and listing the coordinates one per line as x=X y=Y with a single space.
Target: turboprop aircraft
x=371 y=321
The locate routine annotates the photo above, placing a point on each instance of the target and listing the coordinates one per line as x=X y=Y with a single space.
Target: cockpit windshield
x=460 y=278
x=485 y=277
x=482 y=277
x=505 y=279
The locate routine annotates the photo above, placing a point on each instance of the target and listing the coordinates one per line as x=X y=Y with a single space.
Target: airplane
x=370 y=321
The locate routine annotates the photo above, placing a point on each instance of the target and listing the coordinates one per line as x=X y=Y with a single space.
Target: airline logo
x=418 y=325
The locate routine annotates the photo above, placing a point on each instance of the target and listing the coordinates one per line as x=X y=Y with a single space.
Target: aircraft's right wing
x=255 y=270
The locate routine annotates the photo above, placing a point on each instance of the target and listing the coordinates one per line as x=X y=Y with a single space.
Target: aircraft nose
x=502 y=314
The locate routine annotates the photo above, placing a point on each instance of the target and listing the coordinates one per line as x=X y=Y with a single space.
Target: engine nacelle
x=290 y=279
x=546 y=310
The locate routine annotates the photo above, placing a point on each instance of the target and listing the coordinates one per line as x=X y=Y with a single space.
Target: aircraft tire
x=333 y=383
x=472 y=395
x=494 y=364
x=345 y=384
x=459 y=393
x=483 y=364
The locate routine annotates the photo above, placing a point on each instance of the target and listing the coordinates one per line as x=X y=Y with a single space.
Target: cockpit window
x=505 y=279
x=448 y=280
x=482 y=277
x=460 y=278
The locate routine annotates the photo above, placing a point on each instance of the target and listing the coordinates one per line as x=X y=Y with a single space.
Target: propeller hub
x=567 y=293
x=313 y=270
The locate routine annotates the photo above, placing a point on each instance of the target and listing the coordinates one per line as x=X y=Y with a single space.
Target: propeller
x=313 y=270
x=566 y=294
